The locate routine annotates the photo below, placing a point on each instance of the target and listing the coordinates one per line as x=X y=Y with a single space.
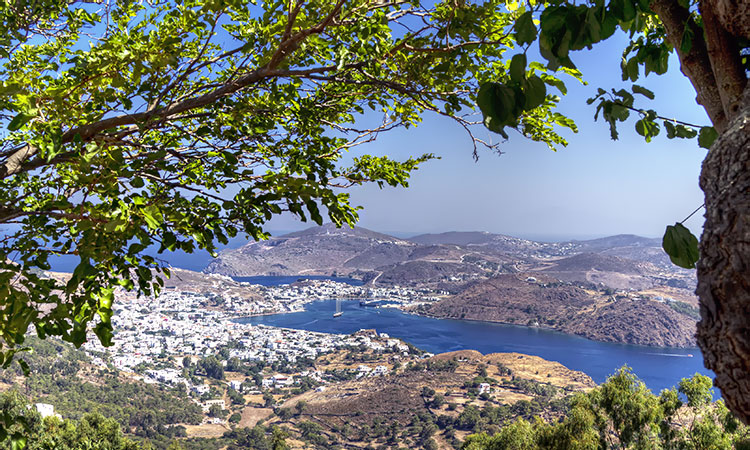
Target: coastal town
x=159 y=337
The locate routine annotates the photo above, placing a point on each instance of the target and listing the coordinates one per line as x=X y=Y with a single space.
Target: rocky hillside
x=581 y=310
x=360 y=253
x=433 y=403
x=451 y=260
x=320 y=250
x=190 y=281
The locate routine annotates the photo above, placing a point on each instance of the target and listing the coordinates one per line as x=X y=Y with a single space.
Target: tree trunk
x=724 y=266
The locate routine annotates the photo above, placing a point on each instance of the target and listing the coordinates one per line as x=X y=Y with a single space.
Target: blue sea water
x=659 y=368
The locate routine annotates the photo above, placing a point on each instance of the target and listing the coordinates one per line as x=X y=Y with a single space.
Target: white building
x=201 y=389
x=45 y=409
x=209 y=403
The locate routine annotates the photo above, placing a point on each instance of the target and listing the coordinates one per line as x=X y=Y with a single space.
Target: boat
x=338 y=312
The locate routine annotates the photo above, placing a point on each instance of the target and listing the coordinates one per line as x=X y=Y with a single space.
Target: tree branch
x=694 y=63
x=724 y=54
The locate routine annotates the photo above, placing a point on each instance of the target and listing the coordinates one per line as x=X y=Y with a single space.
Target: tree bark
x=724 y=266
x=695 y=63
x=733 y=15
x=724 y=54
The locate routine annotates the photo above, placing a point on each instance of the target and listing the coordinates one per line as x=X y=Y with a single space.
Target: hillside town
x=155 y=336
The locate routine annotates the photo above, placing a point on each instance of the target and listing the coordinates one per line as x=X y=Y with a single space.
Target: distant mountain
x=318 y=250
x=450 y=260
x=620 y=240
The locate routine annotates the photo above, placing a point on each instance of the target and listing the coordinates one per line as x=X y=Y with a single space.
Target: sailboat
x=338 y=312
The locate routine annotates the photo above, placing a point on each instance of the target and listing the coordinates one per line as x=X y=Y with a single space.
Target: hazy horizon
x=594 y=187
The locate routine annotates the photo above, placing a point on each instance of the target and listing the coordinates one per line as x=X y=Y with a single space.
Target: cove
x=659 y=368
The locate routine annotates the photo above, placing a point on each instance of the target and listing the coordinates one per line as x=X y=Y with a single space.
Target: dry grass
x=206 y=430
x=252 y=415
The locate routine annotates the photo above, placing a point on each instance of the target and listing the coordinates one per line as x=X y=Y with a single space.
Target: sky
x=595 y=187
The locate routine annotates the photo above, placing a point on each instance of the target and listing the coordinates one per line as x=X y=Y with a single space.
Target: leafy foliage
x=567 y=26
x=135 y=128
x=623 y=413
x=563 y=27
x=59 y=377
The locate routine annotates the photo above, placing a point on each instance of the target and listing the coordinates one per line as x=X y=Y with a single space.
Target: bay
x=659 y=368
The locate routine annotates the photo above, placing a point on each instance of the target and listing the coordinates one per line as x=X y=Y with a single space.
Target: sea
x=658 y=368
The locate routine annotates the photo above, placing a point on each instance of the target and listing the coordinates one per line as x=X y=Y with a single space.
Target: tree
x=712 y=40
x=623 y=413
x=135 y=128
x=235 y=397
x=216 y=411
x=185 y=123
x=29 y=431
x=212 y=367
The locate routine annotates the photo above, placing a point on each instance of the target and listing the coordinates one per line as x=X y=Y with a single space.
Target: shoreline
x=402 y=309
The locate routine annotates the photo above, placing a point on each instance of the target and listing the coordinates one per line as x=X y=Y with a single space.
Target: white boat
x=338 y=312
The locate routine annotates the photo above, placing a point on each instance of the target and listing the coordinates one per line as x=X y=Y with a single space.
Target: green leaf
x=153 y=217
x=20 y=120
x=647 y=128
x=103 y=331
x=685 y=132
x=631 y=70
x=686 y=43
x=496 y=101
x=24 y=367
x=707 y=136
x=526 y=31
x=486 y=99
x=17 y=441
x=671 y=131
x=643 y=91
x=495 y=126
x=518 y=68
x=535 y=91
x=681 y=246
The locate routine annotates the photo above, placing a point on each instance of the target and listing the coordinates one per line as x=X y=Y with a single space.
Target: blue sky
x=594 y=187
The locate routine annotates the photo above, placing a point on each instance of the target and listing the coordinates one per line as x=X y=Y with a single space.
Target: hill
x=440 y=399
x=361 y=253
x=315 y=251
x=450 y=260
x=610 y=289
x=580 y=310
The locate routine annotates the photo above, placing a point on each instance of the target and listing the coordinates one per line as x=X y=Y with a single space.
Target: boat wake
x=674 y=355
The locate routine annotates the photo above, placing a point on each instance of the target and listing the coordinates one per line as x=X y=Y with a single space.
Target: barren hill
x=361 y=253
x=319 y=250
x=607 y=289
x=541 y=301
